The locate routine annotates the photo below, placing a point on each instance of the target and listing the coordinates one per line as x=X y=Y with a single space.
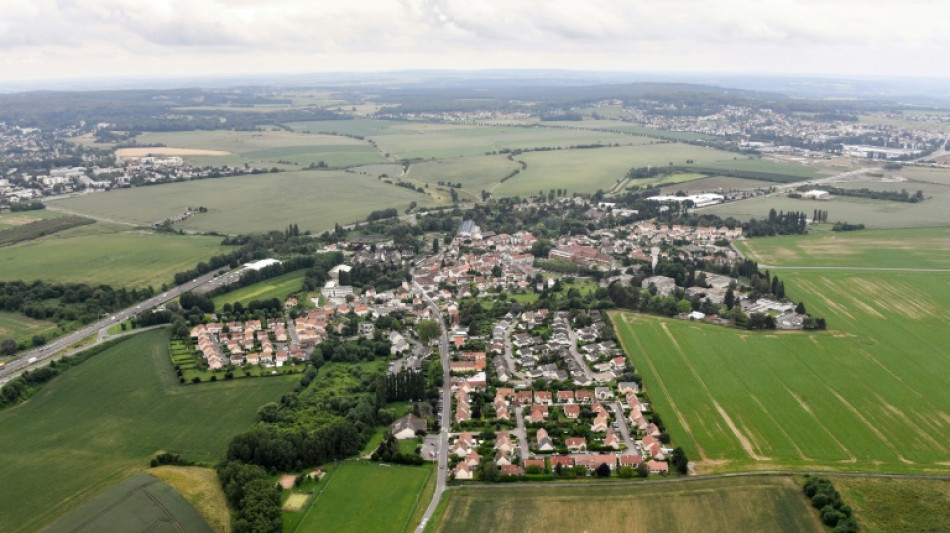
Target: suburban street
x=576 y=354
x=522 y=434
x=446 y=422
x=622 y=425
x=41 y=356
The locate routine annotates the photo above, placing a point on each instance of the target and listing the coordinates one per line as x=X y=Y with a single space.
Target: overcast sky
x=43 y=39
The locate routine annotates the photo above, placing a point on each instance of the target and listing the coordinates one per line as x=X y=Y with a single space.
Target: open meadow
x=588 y=170
x=22 y=328
x=766 y=503
x=869 y=394
x=357 y=497
x=314 y=200
x=139 y=504
x=103 y=253
x=900 y=248
x=104 y=419
x=280 y=287
x=285 y=149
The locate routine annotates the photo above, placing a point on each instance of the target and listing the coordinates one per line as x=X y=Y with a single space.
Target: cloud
x=43 y=37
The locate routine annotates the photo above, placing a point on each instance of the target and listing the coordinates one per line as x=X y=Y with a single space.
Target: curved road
x=38 y=357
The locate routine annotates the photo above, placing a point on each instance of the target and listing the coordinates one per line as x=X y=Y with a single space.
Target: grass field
x=202 y=489
x=102 y=421
x=139 y=504
x=901 y=248
x=280 y=287
x=387 y=499
x=268 y=148
x=764 y=503
x=125 y=258
x=765 y=165
x=243 y=204
x=22 y=328
x=886 y=505
x=711 y=184
x=476 y=173
x=601 y=168
x=12 y=219
x=869 y=394
x=633 y=129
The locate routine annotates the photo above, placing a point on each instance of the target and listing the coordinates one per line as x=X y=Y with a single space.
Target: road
x=622 y=424
x=446 y=422
x=45 y=354
x=508 y=356
x=522 y=434
x=576 y=354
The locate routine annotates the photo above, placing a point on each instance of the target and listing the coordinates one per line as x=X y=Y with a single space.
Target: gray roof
x=409 y=421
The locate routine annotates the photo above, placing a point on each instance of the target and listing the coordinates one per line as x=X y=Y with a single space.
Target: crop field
x=668 y=180
x=600 y=168
x=766 y=165
x=22 y=328
x=632 y=129
x=363 y=128
x=426 y=141
x=712 y=184
x=280 y=287
x=139 y=504
x=869 y=394
x=125 y=259
x=243 y=204
x=475 y=173
x=267 y=148
x=900 y=248
x=387 y=498
x=883 y=505
x=103 y=420
x=202 y=489
x=766 y=503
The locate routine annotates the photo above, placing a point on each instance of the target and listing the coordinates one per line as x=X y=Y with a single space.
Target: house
x=576 y=444
x=538 y=414
x=565 y=396
x=501 y=413
x=543 y=397
x=584 y=396
x=602 y=393
x=473 y=459
x=562 y=461
x=572 y=410
x=539 y=463
x=407 y=426
x=462 y=471
x=600 y=422
x=503 y=441
x=545 y=444
x=512 y=470
x=658 y=467
x=630 y=459
x=611 y=440
x=502 y=459
x=627 y=387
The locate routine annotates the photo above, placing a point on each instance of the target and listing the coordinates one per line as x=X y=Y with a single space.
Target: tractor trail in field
x=743 y=439
x=871 y=427
x=851 y=457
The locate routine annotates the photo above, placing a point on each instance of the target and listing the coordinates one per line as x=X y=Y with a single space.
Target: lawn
x=102 y=421
x=867 y=395
x=280 y=287
x=900 y=248
x=124 y=259
x=23 y=328
x=766 y=503
x=601 y=168
x=314 y=200
x=139 y=504
x=883 y=505
x=361 y=496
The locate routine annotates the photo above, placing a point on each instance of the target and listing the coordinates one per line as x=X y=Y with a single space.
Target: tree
x=680 y=461
x=603 y=470
x=435 y=245
x=8 y=346
x=428 y=330
x=730 y=298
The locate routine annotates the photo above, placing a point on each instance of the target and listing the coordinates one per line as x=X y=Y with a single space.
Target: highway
x=41 y=356
x=446 y=422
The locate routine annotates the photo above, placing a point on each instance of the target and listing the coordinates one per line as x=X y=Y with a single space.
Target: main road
x=41 y=356
x=446 y=422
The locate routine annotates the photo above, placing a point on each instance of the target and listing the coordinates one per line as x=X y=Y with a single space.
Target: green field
x=18 y=218
x=139 y=504
x=359 y=497
x=867 y=395
x=101 y=422
x=22 y=328
x=268 y=148
x=280 y=287
x=632 y=129
x=886 y=505
x=476 y=173
x=601 y=168
x=244 y=204
x=760 y=503
x=901 y=248
x=747 y=164
x=711 y=184
x=124 y=259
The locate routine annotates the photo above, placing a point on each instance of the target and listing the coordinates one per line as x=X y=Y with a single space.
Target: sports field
x=104 y=419
x=358 y=497
x=766 y=503
x=22 y=328
x=243 y=204
x=119 y=258
x=600 y=168
x=139 y=504
x=869 y=394
x=900 y=248
x=280 y=287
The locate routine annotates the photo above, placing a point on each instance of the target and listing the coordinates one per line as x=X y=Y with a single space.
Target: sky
x=57 y=39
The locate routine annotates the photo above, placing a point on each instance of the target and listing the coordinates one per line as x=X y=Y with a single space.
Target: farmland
x=13 y=219
x=867 y=395
x=600 y=168
x=280 y=287
x=754 y=503
x=201 y=487
x=901 y=248
x=710 y=184
x=314 y=200
x=102 y=421
x=475 y=173
x=884 y=505
x=98 y=253
x=387 y=499
x=139 y=504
